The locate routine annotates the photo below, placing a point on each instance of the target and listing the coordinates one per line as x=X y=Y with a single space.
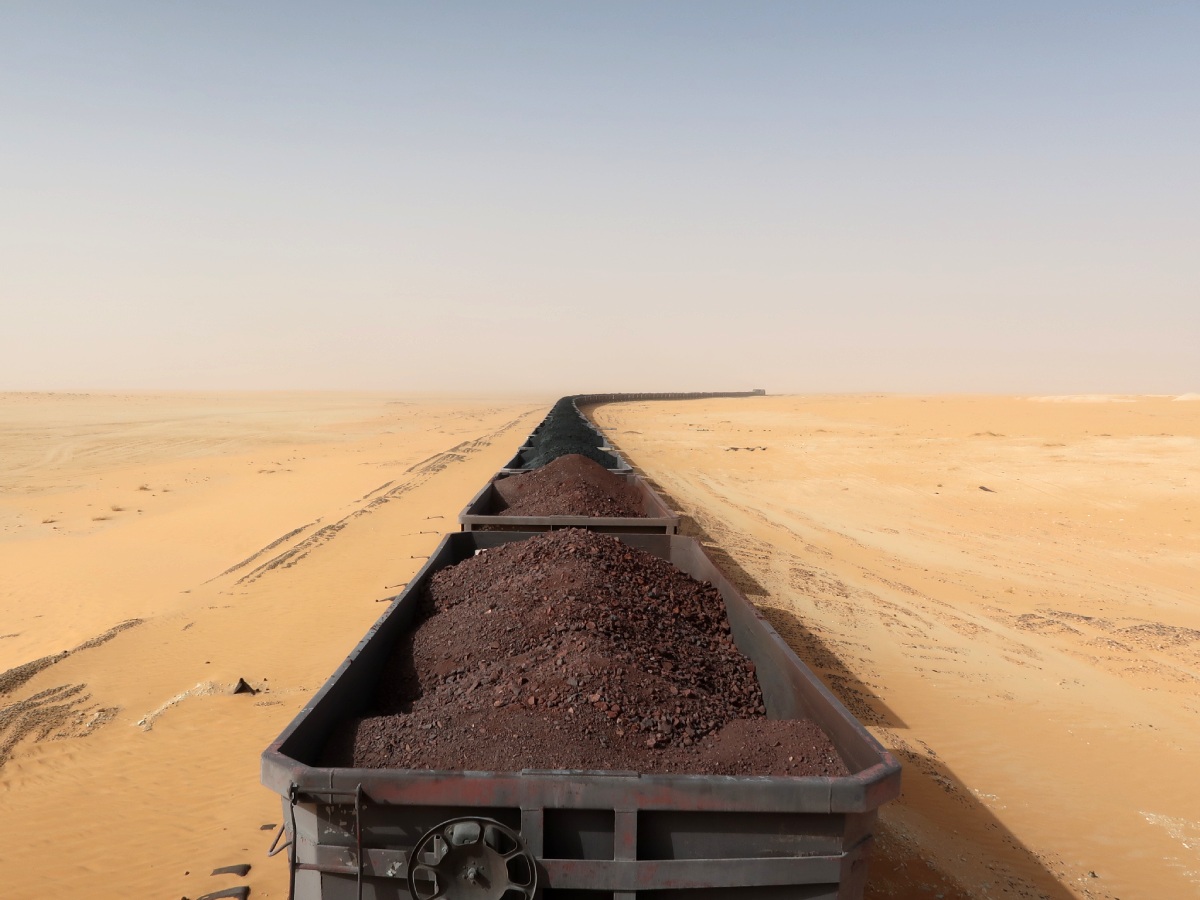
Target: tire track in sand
x=55 y=713
x=413 y=477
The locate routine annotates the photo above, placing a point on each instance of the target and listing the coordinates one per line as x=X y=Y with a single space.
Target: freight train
x=576 y=834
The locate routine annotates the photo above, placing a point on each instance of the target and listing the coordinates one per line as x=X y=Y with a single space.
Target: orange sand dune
x=1007 y=590
x=154 y=550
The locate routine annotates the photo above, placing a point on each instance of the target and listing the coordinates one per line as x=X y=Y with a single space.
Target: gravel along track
x=571 y=485
x=571 y=650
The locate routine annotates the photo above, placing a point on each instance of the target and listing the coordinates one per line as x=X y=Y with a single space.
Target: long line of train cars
x=577 y=835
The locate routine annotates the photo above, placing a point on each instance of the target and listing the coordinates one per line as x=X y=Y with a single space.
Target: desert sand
x=1007 y=590
x=1031 y=651
x=154 y=550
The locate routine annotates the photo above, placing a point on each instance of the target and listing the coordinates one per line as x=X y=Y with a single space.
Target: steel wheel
x=471 y=859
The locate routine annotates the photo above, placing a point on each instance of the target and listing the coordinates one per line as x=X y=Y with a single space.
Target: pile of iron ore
x=564 y=431
x=571 y=485
x=571 y=650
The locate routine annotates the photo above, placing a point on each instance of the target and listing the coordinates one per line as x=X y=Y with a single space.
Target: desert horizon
x=1003 y=589
x=283 y=287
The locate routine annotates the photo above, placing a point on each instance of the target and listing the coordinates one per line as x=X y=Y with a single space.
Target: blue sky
x=559 y=196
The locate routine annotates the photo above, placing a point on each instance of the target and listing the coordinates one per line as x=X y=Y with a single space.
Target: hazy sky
x=562 y=195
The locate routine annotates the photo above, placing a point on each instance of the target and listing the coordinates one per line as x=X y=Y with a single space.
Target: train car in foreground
x=584 y=835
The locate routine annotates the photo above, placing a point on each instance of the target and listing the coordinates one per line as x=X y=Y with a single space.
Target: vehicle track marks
x=271 y=546
x=55 y=713
x=413 y=477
